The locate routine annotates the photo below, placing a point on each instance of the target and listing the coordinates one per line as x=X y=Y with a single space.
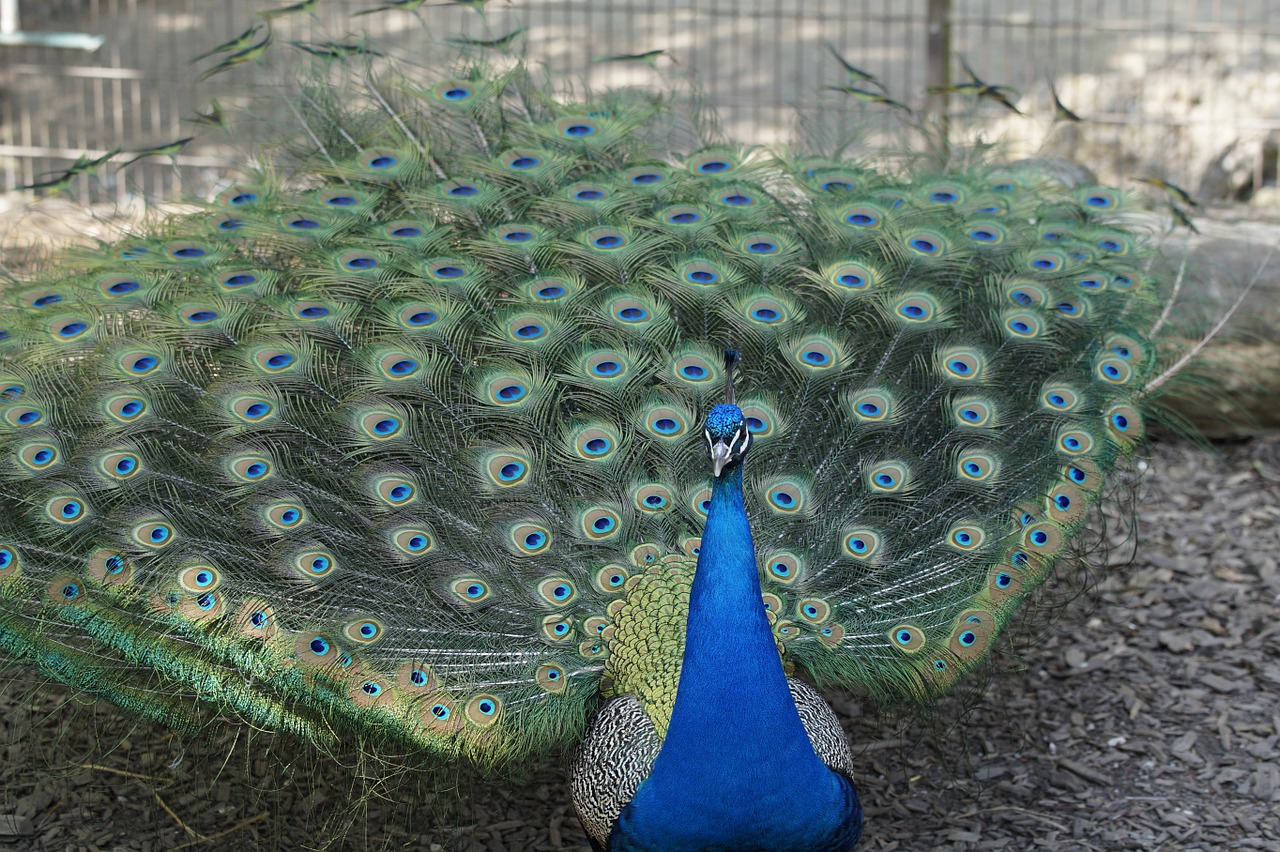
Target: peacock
x=481 y=423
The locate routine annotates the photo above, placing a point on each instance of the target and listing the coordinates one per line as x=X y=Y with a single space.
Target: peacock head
x=726 y=431
x=727 y=435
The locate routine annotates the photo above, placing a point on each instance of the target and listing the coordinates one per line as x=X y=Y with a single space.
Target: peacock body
x=426 y=437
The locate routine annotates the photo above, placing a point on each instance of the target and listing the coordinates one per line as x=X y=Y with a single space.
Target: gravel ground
x=1146 y=719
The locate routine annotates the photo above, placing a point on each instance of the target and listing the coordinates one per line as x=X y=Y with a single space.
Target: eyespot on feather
x=551 y=678
x=907 y=637
x=413 y=541
x=256 y=620
x=557 y=591
x=862 y=544
x=10 y=561
x=484 y=711
x=108 y=567
x=530 y=539
x=364 y=630
x=197 y=579
x=557 y=629
x=783 y=568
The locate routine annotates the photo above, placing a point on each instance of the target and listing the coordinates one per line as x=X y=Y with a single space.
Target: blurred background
x=1184 y=90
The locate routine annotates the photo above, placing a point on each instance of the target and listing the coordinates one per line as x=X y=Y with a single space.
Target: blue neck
x=736 y=770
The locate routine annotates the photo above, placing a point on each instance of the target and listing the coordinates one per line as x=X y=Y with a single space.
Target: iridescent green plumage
x=384 y=438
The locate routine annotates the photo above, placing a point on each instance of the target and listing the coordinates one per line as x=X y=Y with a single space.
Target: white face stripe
x=738 y=444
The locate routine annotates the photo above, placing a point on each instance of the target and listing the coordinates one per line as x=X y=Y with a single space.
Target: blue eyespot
x=607 y=368
x=815 y=357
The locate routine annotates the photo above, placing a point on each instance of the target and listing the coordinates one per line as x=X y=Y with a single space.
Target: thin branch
x=1177 y=366
x=1177 y=288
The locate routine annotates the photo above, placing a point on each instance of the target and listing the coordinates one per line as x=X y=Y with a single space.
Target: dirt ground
x=1147 y=719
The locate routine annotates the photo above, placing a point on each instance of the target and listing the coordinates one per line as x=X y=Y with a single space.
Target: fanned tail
x=385 y=436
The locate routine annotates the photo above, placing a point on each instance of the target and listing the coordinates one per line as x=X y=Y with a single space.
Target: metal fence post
x=937 y=74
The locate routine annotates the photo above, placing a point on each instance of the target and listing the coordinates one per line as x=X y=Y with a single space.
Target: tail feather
x=381 y=438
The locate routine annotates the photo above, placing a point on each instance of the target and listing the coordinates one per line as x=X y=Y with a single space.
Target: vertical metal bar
x=8 y=16
x=937 y=72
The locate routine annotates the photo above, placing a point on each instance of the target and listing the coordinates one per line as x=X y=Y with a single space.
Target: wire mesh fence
x=1187 y=90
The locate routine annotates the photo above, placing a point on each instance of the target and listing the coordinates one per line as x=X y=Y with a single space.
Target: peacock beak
x=721 y=455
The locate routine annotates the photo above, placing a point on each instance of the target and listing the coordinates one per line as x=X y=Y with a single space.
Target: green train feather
x=405 y=437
